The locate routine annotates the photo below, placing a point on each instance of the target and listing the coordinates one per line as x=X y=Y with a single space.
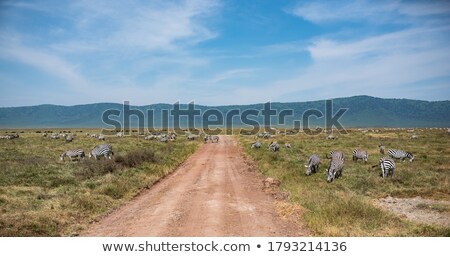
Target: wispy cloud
x=364 y=10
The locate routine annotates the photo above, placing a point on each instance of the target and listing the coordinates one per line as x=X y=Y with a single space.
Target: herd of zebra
x=336 y=164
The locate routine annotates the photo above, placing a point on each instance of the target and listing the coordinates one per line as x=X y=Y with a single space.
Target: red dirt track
x=213 y=193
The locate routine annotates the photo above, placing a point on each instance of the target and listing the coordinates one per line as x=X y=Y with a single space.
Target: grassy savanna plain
x=43 y=196
x=346 y=207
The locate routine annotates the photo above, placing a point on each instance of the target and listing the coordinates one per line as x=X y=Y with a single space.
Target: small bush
x=136 y=157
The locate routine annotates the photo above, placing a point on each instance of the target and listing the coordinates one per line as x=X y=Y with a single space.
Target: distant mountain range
x=363 y=111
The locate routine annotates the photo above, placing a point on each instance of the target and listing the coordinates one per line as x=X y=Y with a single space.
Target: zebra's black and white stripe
x=274 y=146
x=335 y=169
x=360 y=154
x=214 y=139
x=336 y=155
x=313 y=164
x=400 y=154
x=73 y=154
x=256 y=145
x=101 y=150
x=387 y=166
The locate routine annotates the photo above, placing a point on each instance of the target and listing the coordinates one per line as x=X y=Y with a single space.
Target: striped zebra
x=336 y=155
x=400 y=154
x=313 y=164
x=274 y=146
x=360 y=154
x=73 y=154
x=256 y=145
x=101 y=150
x=387 y=166
x=214 y=139
x=335 y=169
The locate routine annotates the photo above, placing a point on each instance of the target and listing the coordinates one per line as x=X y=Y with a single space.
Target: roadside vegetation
x=43 y=196
x=346 y=206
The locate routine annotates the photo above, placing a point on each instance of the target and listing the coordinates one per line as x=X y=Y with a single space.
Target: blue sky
x=221 y=52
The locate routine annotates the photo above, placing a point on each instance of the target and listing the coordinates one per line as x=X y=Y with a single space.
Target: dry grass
x=344 y=207
x=42 y=196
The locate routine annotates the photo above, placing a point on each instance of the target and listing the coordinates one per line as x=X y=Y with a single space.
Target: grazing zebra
x=336 y=155
x=381 y=146
x=274 y=146
x=214 y=139
x=335 y=169
x=414 y=137
x=360 y=154
x=313 y=164
x=191 y=137
x=101 y=137
x=287 y=145
x=54 y=136
x=69 y=139
x=163 y=139
x=149 y=137
x=172 y=136
x=101 y=150
x=331 y=137
x=119 y=134
x=256 y=145
x=400 y=154
x=387 y=166
x=73 y=154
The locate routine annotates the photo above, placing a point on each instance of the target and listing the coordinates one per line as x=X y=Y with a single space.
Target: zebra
x=73 y=154
x=69 y=139
x=101 y=137
x=191 y=137
x=313 y=164
x=414 y=136
x=331 y=137
x=214 y=139
x=387 y=166
x=149 y=137
x=336 y=155
x=360 y=154
x=287 y=145
x=205 y=139
x=274 y=146
x=400 y=154
x=335 y=169
x=164 y=139
x=256 y=145
x=101 y=150
x=381 y=146
x=119 y=134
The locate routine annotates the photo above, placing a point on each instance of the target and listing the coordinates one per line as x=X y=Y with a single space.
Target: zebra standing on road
x=400 y=154
x=214 y=139
x=101 y=150
x=360 y=154
x=274 y=146
x=387 y=166
x=313 y=164
x=73 y=154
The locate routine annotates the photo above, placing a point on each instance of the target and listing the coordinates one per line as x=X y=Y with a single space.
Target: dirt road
x=214 y=193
